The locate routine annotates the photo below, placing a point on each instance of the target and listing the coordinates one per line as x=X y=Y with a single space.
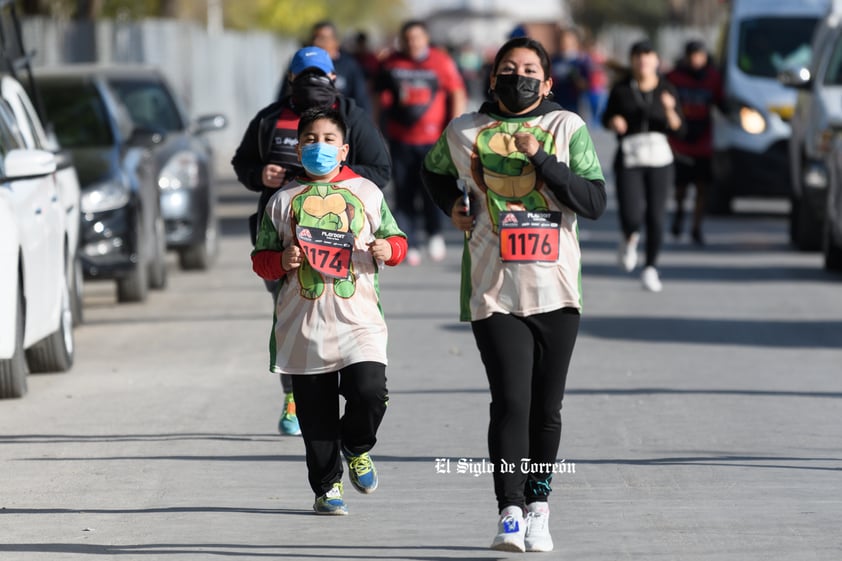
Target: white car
x=35 y=137
x=36 y=324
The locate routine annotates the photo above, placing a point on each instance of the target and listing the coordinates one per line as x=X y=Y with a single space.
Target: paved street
x=701 y=423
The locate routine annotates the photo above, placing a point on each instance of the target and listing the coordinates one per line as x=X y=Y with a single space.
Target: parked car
x=832 y=223
x=816 y=120
x=36 y=322
x=35 y=137
x=122 y=228
x=760 y=39
x=184 y=158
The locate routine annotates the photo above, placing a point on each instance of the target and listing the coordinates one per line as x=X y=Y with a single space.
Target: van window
x=766 y=46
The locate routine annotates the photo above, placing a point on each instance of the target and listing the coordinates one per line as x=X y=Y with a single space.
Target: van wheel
x=832 y=252
x=803 y=229
x=55 y=352
x=719 y=200
x=13 y=371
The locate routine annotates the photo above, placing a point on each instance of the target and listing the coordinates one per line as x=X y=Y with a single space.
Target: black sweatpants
x=409 y=191
x=642 y=193
x=363 y=385
x=526 y=361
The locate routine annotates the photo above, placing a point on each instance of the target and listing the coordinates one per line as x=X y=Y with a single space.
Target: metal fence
x=233 y=73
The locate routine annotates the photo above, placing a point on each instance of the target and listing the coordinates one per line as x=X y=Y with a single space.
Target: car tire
x=804 y=232
x=55 y=352
x=13 y=371
x=832 y=252
x=158 y=264
x=134 y=287
x=200 y=256
x=76 y=279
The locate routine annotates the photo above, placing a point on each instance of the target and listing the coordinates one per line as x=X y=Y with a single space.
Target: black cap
x=640 y=47
x=694 y=46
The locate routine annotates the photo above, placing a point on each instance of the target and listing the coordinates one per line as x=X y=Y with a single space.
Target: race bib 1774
x=327 y=251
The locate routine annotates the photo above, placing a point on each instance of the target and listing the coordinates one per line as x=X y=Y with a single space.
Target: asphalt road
x=701 y=423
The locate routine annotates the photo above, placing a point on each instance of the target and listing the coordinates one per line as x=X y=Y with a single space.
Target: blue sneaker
x=288 y=423
x=361 y=471
x=331 y=502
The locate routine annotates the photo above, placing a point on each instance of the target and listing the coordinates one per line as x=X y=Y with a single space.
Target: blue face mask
x=319 y=158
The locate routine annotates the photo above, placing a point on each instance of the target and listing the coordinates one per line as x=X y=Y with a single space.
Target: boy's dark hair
x=313 y=114
x=523 y=43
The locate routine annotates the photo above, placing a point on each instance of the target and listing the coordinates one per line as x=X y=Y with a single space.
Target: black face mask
x=517 y=92
x=312 y=90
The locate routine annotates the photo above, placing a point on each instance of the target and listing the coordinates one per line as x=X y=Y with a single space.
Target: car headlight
x=752 y=120
x=108 y=195
x=181 y=171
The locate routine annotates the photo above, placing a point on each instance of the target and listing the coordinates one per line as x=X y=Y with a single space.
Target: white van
x=760 y=39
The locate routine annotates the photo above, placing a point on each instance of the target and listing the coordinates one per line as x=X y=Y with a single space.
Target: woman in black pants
x=642 y=111
x=514 y=176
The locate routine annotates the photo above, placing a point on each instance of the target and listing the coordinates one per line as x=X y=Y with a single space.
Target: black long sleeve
x=585 y=197
x=443 y=189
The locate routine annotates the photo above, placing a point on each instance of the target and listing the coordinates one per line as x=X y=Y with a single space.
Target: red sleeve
x=399 y=249
x=267 y=264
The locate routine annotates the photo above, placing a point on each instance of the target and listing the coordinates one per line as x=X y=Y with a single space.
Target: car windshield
x=148 y=103
x=769 y=45
x=77 y=113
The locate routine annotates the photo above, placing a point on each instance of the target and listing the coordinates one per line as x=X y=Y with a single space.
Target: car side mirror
x=25 y=164
x=209 y=123
x=798 y=78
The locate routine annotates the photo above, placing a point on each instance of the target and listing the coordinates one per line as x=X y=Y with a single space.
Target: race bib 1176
x=529 y=236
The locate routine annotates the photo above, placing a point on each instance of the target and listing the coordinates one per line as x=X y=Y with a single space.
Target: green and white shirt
x=479 y=150
x=323 y=322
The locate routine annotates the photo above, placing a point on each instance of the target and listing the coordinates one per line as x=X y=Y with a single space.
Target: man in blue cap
x=266 y=158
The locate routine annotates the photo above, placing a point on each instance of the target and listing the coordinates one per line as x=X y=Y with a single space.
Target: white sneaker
x=650 y=280
x=413 y=257
x=436 y=248
x=511 y=529
x=628 y=253
x=538 y=536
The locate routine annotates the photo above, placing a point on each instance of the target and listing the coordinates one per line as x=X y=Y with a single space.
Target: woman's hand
x=380 y=250
x=526 y=143
x=292 y=258
x=618 y=124
x=459 y=215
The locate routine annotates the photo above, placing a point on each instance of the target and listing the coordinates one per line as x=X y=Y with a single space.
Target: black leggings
x=526 y=361
x=363 y=385
x=406 y=171
x=642 y=192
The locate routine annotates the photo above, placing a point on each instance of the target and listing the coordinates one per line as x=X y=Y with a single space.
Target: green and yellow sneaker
x=288 y=424
x=331 y=502
x=361 y=471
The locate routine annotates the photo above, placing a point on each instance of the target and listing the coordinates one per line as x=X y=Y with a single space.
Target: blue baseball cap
x=311 y=57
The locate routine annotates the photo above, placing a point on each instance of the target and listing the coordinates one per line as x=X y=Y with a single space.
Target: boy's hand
x=526 y=143
x=463 y=221
x=380 y=250
x=292 y=258
x=273 y=176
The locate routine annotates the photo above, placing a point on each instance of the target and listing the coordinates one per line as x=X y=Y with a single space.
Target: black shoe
x=677 y=223
x=698 y=239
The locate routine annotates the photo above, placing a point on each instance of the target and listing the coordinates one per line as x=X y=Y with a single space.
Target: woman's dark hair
x=313 y=114
x=523 y=43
